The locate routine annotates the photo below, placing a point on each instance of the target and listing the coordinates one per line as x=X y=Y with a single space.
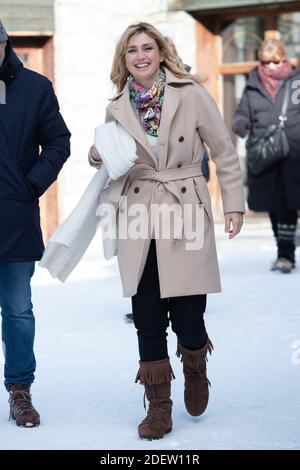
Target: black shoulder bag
x=264 y=151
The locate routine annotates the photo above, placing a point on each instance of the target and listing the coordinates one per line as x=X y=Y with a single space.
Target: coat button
x=183 y=189
x=136 y=189
x=181 y=138
x=179 y=165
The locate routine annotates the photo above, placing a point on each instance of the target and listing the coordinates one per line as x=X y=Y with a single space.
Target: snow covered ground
x=87 y=360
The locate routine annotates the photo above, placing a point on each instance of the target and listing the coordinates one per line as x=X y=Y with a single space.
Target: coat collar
x=171 y=79
x=123 y=112
x=11 y=65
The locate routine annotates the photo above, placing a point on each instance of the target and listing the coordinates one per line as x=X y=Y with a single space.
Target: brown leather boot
x=196 y=392
x=21 y=408
x=156 y=377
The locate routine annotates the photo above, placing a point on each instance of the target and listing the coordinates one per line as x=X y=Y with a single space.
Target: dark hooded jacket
x=34 y=145
x=255 y=112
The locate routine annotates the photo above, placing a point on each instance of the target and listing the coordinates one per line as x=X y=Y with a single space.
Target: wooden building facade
x=228 y=36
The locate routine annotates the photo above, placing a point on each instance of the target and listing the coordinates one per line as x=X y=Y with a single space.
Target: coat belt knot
x=143 y=171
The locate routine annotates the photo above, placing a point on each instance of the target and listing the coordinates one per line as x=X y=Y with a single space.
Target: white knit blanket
x=71 y=239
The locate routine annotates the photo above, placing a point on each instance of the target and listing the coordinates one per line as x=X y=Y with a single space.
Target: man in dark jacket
x=34 y=145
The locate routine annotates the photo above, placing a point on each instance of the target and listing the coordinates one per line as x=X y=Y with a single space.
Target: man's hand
x=233 y=223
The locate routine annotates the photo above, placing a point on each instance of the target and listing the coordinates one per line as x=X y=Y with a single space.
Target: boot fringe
x=155 y=372
x=210 y=347
x=192 y=357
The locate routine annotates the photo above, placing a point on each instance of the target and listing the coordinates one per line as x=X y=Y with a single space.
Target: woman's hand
x=94 y=157
x=233 y=223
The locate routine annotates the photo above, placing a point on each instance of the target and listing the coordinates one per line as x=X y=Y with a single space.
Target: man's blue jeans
x=18 y=323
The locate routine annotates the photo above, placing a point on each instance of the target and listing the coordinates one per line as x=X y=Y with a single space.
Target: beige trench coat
x=189 y=118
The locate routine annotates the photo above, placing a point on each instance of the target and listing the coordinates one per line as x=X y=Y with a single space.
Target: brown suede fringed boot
x=156 y=377
x=196 y=391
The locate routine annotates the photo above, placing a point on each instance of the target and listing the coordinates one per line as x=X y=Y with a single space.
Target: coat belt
x=143 y=171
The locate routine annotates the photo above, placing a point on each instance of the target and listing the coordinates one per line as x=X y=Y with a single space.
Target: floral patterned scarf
x=148 y=102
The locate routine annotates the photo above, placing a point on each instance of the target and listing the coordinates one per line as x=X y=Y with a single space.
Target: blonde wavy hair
x=119 y=73
x=272 y=49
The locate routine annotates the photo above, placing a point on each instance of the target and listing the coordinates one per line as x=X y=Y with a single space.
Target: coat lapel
x=171 y=102
x=122 y=111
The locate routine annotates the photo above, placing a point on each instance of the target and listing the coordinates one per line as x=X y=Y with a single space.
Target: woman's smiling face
x=142 y=58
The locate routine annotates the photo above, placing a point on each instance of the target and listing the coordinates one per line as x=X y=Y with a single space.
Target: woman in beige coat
x=166 y=243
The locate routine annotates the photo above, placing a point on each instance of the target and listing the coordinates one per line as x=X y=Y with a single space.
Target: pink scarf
x=271 y=78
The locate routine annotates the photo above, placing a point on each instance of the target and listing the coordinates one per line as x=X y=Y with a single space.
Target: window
x=242 y=38
x=289 y=28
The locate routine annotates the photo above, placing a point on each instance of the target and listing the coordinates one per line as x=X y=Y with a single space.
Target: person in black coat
x=29 y=121
x=277 y=190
